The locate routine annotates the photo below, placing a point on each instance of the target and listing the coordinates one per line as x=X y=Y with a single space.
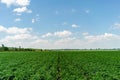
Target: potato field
x=60 y=65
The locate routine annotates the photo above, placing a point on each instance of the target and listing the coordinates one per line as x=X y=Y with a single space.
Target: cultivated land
x=60 y=65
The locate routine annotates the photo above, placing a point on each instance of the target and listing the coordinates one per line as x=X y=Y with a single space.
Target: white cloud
x=75 y=25
x=69 y=43
x=2 y=28
x=23 y=2
x=15 y=30
x=29 y=11
x=104 y=37
x=64 y=33
x=107 y=40
x=17 y=19
x=40 y=41
x=22 y=9
x=18 y=37
x=15 y=36
x=19 y=10
x=47 y=35
x=26 y=37
x=16 y=40
x=16 y=2
x=61 y=34
x=64 y=41
x=8 y=2
x=85 y=34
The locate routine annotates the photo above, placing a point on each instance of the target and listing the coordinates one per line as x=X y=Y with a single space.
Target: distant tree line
x=5 y=48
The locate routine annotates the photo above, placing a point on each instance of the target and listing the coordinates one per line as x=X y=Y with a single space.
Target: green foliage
x=27 y=65
x=6 y=49
x=3 y=48
x=90 y=65
x=60 y=65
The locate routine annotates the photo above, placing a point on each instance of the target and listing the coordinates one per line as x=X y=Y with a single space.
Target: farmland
x=60 y=65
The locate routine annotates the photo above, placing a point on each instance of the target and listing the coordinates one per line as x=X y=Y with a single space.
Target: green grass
x=60 y=65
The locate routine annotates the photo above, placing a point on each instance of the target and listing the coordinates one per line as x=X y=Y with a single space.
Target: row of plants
x=90 y=65
x=60 y=65
x=28 y=66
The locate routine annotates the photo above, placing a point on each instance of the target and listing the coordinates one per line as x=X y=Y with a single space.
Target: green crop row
x=27 y=66
x=60 y=65
x=90 y=65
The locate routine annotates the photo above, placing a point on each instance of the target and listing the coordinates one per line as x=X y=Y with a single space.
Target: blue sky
x=60 y=23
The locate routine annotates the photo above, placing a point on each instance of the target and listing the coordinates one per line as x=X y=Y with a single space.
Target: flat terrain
x=60 y=65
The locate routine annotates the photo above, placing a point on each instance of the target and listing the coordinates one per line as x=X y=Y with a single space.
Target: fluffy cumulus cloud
x=16 y=2
x=47 y=35
x=14 y=30
x=8 y=2
x=64 y=33
x=26 y=37
x=22 y=9
x=106 y=40
x=85 y=33
x=23 y=2
x=60 y=34
x=75 y=25
x=21 y=5
x=18 y=37
x=15 y=36
x=99 y=38
x=2 y=28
